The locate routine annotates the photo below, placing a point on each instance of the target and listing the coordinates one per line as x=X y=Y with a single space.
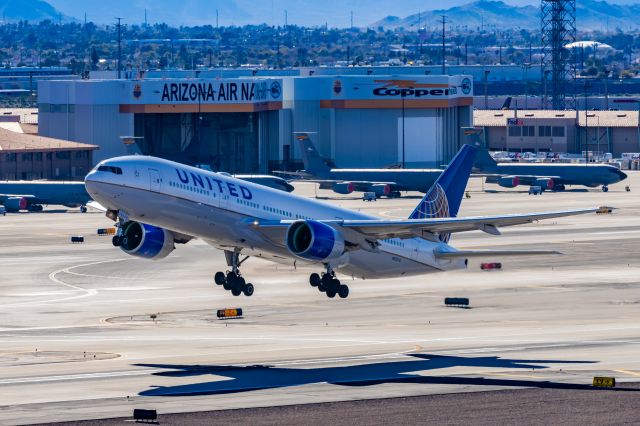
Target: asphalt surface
x=540 y=406
x=87 y=332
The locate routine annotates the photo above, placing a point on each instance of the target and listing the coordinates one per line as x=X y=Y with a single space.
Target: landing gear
x=232 y=281
x=329 y=284
x=83 y=209
x=605 y=188
x=559 y=188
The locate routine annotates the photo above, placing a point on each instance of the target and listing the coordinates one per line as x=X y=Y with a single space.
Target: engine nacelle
x=147 y=241
x=343 y=188
x=313 y=240
x=15 y=204
x=509 y=181
x=544 y=183
x=381 y=189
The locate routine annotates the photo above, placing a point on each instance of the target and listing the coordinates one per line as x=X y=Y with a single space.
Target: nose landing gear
x=329 y=284
x=232 y=280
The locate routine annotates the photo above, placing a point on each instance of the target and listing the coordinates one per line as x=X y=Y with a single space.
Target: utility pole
x=119 y=25
x=352 y=19
x=444 y=21
x=217 y=16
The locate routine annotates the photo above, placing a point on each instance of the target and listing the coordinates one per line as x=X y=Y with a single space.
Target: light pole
x=586 y=124
x=544 y=82
x=525 y=68
x=486 y=93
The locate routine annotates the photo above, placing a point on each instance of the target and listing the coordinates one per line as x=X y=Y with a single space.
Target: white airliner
x=159 y=203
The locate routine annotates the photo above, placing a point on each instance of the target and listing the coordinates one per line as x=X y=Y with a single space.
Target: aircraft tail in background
x=313 y=162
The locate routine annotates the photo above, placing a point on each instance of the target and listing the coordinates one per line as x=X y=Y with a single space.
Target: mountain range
x=591 y=14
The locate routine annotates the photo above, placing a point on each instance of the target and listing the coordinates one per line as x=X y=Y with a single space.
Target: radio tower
x=558 y=30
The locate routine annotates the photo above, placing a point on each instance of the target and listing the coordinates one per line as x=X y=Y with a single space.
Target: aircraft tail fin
x=313 y=162
x=445 y=196
x=507 y=103
x=484 y=162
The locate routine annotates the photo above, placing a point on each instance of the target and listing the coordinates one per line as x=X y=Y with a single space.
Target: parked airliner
x=158 y=203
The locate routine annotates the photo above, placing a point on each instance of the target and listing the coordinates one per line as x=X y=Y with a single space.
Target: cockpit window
x=110 y=169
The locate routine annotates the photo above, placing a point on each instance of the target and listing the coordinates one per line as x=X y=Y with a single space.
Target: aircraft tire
x=83 y=209
x=236 y=291
x=116 y=241
x=248 y=289
x=314 y=280
x=605 y=188
x=219 y=278
x=331 y=293
x=343 y=291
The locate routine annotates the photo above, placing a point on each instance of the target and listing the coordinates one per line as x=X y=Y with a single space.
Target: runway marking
x=516 y=375
x=630 y=373
x=52 y=276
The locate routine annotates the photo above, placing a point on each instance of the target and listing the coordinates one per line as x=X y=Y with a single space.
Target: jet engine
x=15 y=204
x=509 y=181
x=381 y=189
x=343 y=188
x=313 y=240
x=142 y=240
x=544 y=183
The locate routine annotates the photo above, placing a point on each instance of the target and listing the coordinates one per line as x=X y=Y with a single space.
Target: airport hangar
x=245 y=124
x=614 y=132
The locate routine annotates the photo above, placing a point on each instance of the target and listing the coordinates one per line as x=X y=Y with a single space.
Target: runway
x=87 y=332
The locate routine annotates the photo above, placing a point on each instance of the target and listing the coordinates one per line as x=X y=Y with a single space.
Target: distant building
x=26 y=157
x=244 y=123
x=616 y=132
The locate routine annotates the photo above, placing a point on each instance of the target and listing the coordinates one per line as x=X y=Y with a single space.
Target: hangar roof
x=498 y=118
x=21 y=142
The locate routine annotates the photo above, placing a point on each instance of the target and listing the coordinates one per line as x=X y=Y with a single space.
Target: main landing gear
x=232 y=280
x=329 y=284
x=605 y=188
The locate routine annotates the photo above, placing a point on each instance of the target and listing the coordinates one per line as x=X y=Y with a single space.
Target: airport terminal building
x=245 y=124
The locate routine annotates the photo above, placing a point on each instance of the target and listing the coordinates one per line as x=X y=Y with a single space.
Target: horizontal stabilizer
x=492 y=253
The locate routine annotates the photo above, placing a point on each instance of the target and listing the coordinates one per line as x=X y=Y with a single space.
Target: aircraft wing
x=5 y=196
x=369 y=230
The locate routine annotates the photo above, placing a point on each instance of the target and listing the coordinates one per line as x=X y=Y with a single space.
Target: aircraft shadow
x=249 y=378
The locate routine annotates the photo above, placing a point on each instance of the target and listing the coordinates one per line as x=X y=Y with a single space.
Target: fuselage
x=221 y=210
x=591 y=175
x=404 y=179
x=70 y=194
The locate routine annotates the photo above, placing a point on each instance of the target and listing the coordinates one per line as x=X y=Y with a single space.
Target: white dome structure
x=587 y=44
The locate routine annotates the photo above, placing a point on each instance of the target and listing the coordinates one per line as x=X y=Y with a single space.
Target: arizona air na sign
x=206 y=91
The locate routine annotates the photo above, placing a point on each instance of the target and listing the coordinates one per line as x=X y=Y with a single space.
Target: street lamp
x=525 y=68
x=544 y=81
x=586 y=118
x=486 y=96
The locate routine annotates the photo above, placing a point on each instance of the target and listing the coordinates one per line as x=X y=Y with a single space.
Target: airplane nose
x=621 y=174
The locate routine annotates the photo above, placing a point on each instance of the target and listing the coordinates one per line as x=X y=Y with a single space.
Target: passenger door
x=155 y=181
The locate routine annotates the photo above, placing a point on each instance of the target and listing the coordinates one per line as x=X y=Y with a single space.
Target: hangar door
x=422 y=139
x=227 y=142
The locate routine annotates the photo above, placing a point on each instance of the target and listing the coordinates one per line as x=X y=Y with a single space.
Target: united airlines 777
x=159 y=203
